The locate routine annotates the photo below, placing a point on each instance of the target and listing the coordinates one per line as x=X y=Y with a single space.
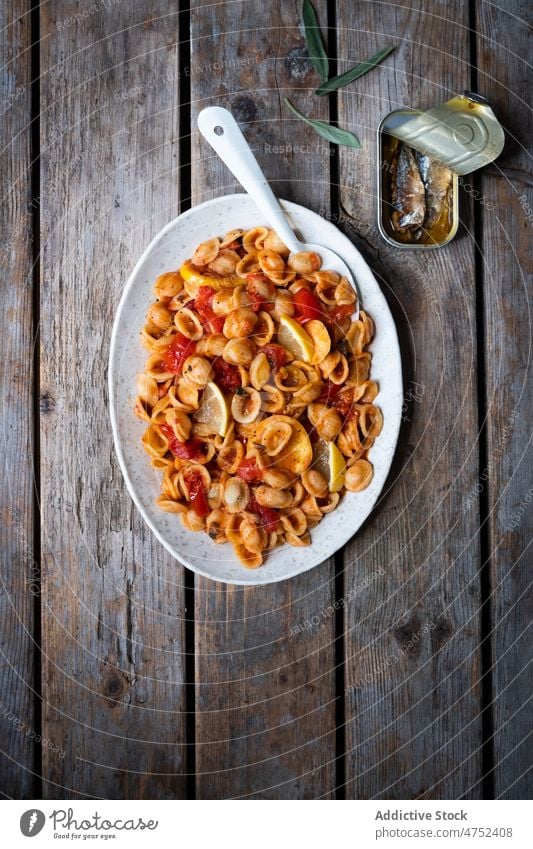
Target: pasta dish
x=256 y=392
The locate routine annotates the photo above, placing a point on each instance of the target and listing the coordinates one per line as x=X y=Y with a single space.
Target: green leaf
x=343 y=79
x=315 y=43
x=331 y=134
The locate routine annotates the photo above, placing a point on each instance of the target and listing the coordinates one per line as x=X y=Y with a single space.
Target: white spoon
x=221 y=130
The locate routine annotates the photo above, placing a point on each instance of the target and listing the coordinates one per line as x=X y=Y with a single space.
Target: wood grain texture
x=19 y=578
x=412 y=621
x=265 y=723
x=113 y=600
x=506 y=207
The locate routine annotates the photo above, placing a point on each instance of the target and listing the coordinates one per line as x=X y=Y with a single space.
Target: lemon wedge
x=293 y=337
x=214 y=411
x=330 y=463
x=194 y=278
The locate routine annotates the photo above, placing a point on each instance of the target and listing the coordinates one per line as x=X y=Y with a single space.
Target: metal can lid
x=462 y=133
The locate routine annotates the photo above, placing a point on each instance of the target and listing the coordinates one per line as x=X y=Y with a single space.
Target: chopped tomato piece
x=214 y=323
x=249 y=471
x=343 y=403
x=170 y=436
x=227 y=376
x=339 y=397
x=203 y=304
x=193 y=449
x=268 y=516
x=217 y=324
x=256 y=301
x=197 y=494
x=307 y=306
x=275 y=354
x=340 y=312
x=177 y=352
x=329 y=392
x=204 y=298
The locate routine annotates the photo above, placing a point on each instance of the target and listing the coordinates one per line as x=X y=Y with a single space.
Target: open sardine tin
x=415 y=151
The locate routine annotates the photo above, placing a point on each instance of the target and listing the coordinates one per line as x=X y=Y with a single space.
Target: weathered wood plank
x=19 y=580
x=265 y=724
x=113 y=606
x=506 y=206
x=412 y=633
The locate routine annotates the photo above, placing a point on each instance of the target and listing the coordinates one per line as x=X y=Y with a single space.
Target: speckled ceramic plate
x=167 y=251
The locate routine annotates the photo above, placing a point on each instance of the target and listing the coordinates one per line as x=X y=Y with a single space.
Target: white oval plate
x=168 y=250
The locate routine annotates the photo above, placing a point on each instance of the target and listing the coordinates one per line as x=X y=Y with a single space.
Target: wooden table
x=142 y=680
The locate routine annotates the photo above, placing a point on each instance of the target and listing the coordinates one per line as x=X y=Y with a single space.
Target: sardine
x=408 y=192
x=437 y=180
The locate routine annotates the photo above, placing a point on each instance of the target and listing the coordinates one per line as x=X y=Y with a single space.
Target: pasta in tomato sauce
x=256 y=394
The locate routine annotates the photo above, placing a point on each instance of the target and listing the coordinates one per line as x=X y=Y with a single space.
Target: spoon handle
x=220 y=129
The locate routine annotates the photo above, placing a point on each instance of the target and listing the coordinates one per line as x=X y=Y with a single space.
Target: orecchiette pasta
x=239 y=352
x=256 y=439
x=239 y=323
x=246 y=405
